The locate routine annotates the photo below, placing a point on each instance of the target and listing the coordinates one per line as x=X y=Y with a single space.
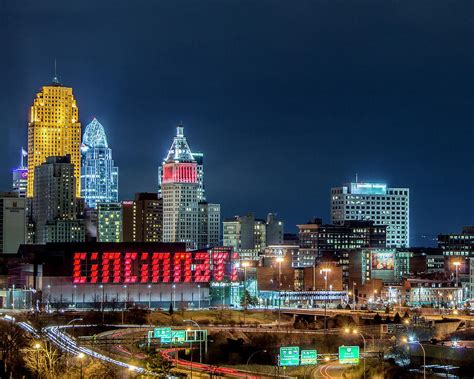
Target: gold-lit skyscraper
x=54 y=130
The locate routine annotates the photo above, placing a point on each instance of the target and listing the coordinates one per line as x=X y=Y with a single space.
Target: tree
x=248 y=299
x=387 y=309
x=159 y=365
x=348 y=306
x=406 y=315
x=171 y=311
x=12 y=341
x=44 y=360
x=397 y=319
x=377 y=319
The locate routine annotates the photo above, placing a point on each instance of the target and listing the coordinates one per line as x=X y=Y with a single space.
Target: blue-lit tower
x=99 y=176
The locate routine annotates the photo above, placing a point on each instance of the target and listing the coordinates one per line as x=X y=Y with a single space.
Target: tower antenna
x=357 y=178
x=55 y=78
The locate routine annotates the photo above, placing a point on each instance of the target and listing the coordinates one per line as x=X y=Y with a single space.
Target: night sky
x=285 y=98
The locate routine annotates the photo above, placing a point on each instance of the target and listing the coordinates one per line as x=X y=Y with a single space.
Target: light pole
x=353 y=296
x=199 y=296
x=37 y=346
x=355 y=331
x=251 y=355
x=73 y=324
x=102 y=302
x=200 y=342
x=280 y=261
x=149 y=296
x=411 y=340
x=456 y=265
x=245 y=265
x=174 y=296
x=81 y=356
x=326 y=272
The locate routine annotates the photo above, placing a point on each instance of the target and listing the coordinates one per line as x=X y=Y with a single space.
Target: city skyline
x=412 y=149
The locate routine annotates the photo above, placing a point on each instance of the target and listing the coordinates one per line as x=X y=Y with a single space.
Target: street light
x=81 y=357
x=37 y=346
x=199 y=297
x=355 y=331
x=149 y=296
x=412 y=340
x=102 y=309
x=251 y=355
x=326 y=272
x=200 y=342
x=456 y=265
x=174 y=296
x=279 y=261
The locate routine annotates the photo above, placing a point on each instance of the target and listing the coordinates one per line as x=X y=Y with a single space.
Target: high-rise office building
x=142 y=218
x=187 y=217
x=209 y=221
x=458 y=244
x=55 y=206
x=13 y=222
x=20 y=176
x=249 y=235
x=54 y=130
x=109 y=222
x=376 y=202
x=179 y=190
x=99 y=176
x=274 y=230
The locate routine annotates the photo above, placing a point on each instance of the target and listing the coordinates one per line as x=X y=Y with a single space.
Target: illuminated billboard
x=368 y=188
x=154 y=267
x=383 y=261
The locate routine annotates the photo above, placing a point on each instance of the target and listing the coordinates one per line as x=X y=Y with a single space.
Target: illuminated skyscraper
x=20 y=176
x=54 y=130
x=179 y=190
x=376 y=202
x=109 y=225
x=99 y=177
x=186 y=216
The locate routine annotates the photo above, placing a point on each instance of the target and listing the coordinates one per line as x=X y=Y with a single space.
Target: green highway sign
x=348 y=354
x=178 y=336
x=196 y=335
x=162 y=333
x=289 y=356
x=309 y=357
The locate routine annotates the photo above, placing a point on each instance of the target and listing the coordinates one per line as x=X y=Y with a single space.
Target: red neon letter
x=186 y=270
x=107 y=259
x=76 y=271
x=219 y=259
x=144 y=268
x=129 y=258
x=164 y=274
x=94 y=268
x=202 y=272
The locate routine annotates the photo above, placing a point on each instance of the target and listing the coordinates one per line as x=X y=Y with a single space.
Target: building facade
x=20 y=176
x=250 y=236
x=99 y=176
x=186 y=216
x=209 y=230
x=142 y=218
x=458 y=244
x=109 y=222
x=322 y=242
x=54 y=130
x=376 y=202
x=55 y=206
x=13 y=222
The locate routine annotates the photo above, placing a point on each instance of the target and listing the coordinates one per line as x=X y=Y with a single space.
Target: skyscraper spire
x=55 y=77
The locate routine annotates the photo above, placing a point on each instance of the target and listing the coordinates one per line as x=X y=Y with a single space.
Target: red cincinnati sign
x=154 y=267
